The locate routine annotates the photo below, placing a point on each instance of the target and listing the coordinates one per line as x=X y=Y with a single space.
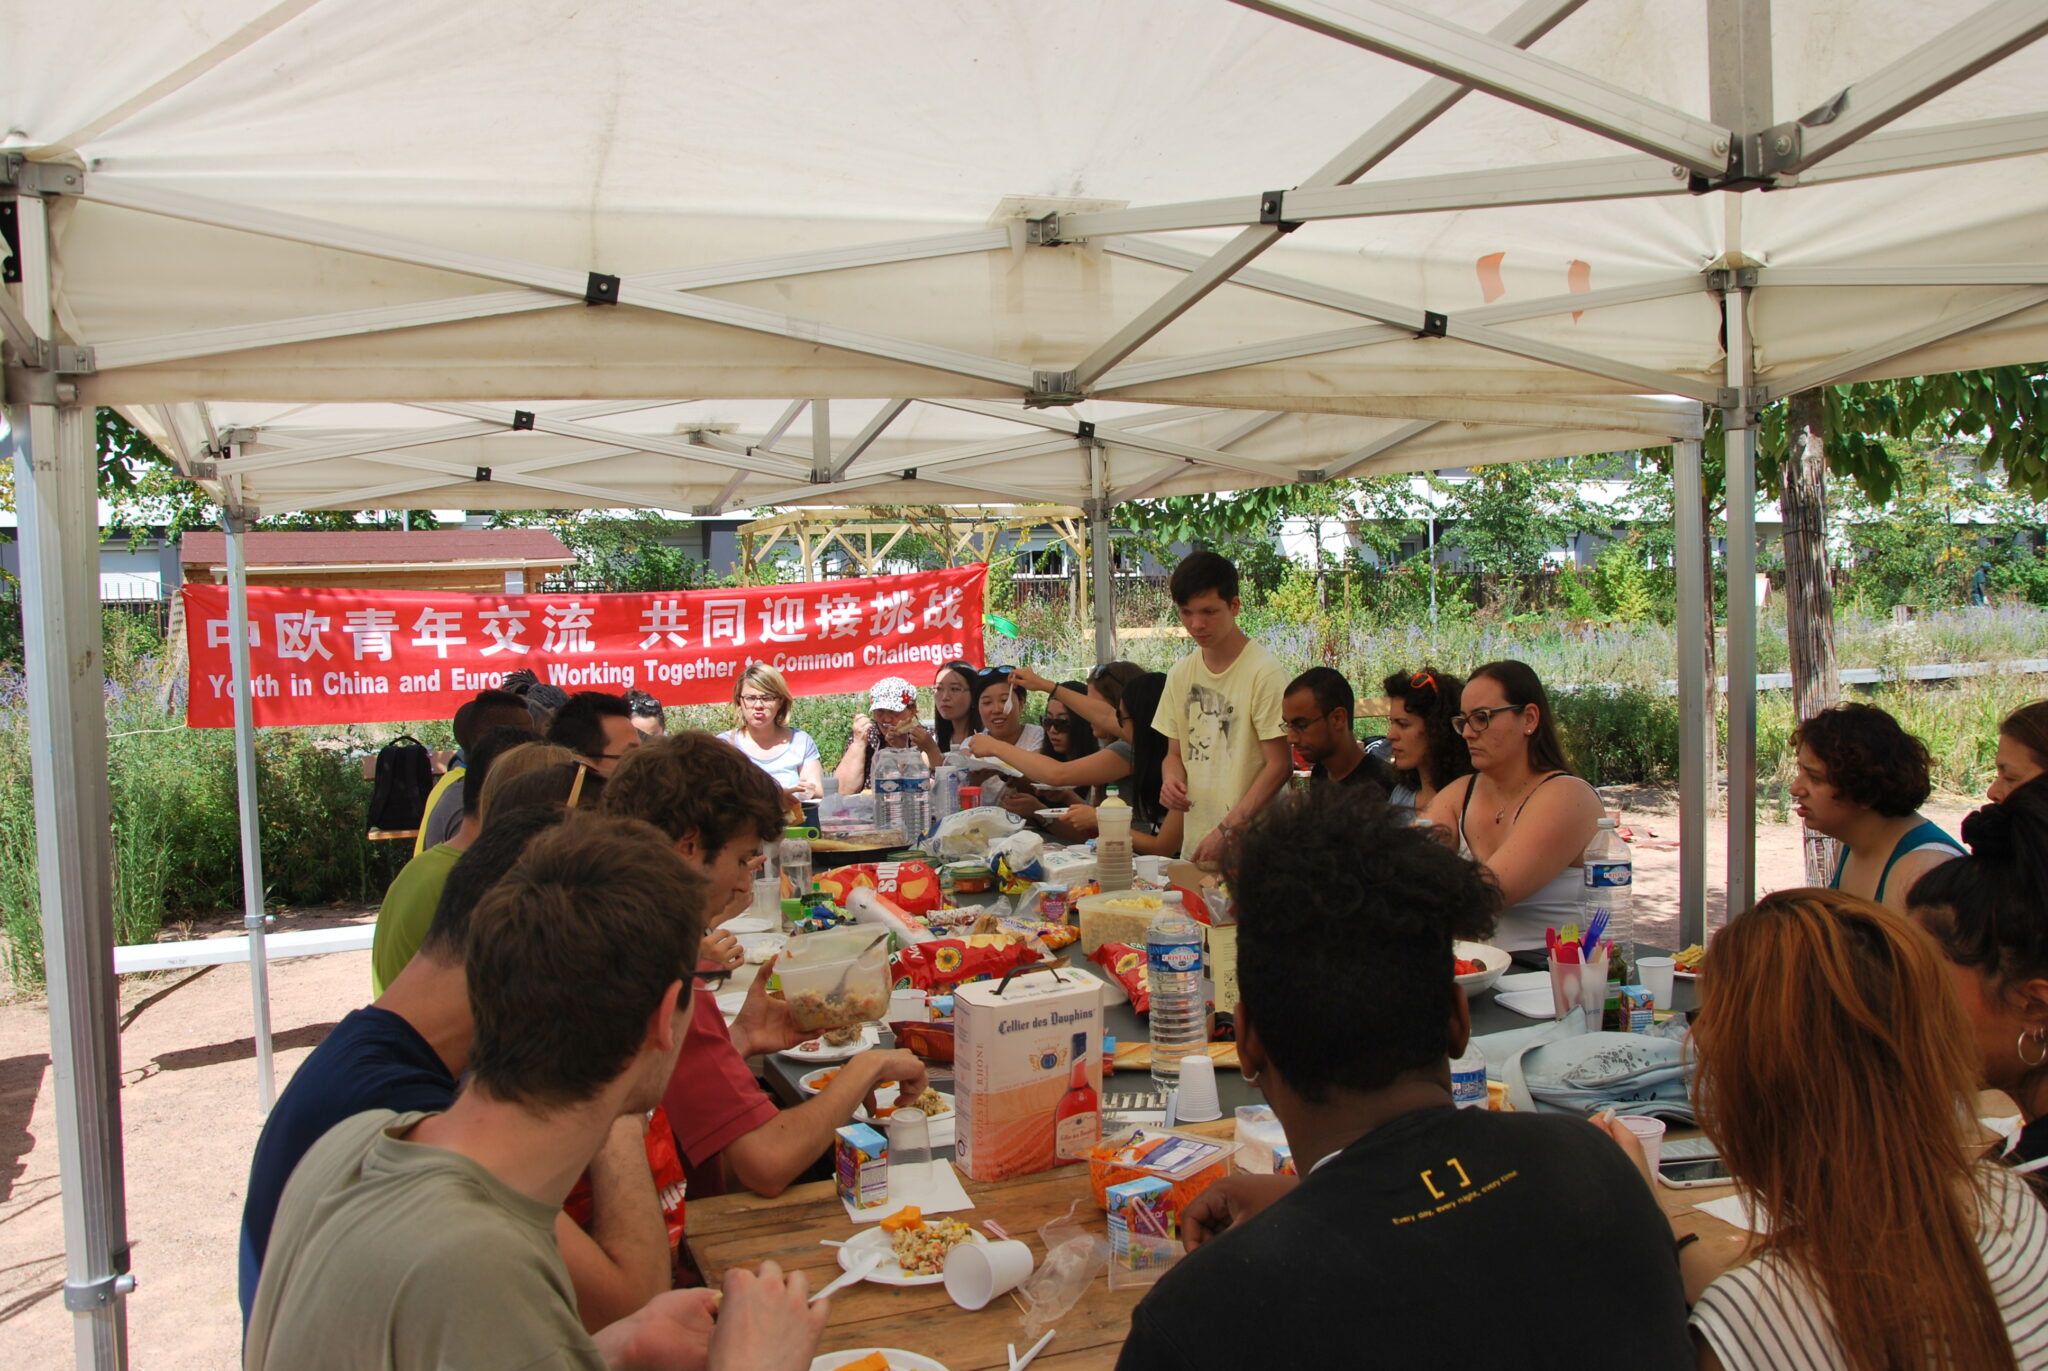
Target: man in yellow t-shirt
x=1226 y=754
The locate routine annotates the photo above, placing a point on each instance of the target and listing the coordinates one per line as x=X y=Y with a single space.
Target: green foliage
x=1623 y=737
x=1508 y=518
x=1626 y=588
x=622 y=551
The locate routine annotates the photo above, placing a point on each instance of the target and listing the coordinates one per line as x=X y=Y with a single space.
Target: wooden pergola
x=867 y=535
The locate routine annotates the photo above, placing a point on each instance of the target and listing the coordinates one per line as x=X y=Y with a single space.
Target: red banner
x=387 y=656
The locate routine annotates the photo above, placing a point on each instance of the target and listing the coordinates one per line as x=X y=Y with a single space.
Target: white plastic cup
x=1659 y=976
x=977 y=1272
x=908 y=1005
x=1198 y=1101
x=1650 y=1133
x=1150 y=870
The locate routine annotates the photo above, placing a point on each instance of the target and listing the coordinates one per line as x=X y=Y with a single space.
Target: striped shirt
x=1762 y=1317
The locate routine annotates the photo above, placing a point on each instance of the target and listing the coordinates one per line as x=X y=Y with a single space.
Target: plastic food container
x=836 y=978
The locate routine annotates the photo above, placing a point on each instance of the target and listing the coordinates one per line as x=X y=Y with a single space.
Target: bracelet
x=1685 y=1240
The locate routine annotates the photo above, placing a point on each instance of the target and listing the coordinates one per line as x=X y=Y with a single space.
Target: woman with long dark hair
x=1428 y=753
x=1989 y=912
x=1084 y=775
x=1522 y=814
x=956 y=711
x=1838 y=1079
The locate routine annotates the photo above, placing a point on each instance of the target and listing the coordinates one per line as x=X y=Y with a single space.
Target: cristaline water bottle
x=1610 y=886
x=1179 y=1016
x=1113 y=869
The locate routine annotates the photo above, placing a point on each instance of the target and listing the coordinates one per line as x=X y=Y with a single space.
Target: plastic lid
x=1605 y=822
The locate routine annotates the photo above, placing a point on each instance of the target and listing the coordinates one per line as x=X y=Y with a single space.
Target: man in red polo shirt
x=718 y=808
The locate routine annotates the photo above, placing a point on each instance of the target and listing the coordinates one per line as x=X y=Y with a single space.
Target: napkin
x=941 y=1193
x=1734 y=1210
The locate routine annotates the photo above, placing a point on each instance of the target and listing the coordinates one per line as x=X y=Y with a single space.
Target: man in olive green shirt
x=417 y=1241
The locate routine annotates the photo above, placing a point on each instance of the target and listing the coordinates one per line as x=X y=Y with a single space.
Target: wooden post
x=1809 y=597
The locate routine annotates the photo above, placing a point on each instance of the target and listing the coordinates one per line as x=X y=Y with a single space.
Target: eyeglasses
x=759 y=700
x=1477 y=720
x=711 y=980
x=1060 y=723
x=1302 y=725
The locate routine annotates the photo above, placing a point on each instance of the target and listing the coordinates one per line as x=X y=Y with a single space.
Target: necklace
x=1500 y=816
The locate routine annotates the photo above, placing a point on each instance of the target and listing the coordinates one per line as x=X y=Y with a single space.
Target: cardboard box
x=861 y=1157
x=1013 y=1067
x=1145 y=1207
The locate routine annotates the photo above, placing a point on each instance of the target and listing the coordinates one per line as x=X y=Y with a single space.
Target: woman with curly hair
x=1837 y=1077
x=1861 y=780
x=1428 y=752
x=1989 y=913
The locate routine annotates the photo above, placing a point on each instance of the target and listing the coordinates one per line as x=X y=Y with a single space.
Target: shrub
x=1623 y=737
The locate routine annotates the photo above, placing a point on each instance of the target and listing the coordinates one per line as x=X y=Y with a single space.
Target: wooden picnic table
x=745 y=1230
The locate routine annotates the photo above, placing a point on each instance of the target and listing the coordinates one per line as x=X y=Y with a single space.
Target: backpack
x=405 y=775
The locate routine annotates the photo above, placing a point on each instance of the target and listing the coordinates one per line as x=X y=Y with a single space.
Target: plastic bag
x=1016 y=859
x=1074 y=1253
x=969 y=833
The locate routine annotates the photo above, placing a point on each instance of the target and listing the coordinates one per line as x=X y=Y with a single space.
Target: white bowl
x=1494 y=961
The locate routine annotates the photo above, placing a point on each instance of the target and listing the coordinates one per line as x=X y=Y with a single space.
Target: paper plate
x=1523 y=980
x=759 y=947
x=946 y=1113
x=816 y=1051
x=898 y=1359
x=750 y=923
x=889 y=1273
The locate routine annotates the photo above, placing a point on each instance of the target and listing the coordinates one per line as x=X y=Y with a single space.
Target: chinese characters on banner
x=389 y=656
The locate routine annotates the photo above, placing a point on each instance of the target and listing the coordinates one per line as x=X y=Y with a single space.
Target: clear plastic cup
x=910 y=1153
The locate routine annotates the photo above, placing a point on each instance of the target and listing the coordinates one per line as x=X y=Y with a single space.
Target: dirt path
x=189 y=1118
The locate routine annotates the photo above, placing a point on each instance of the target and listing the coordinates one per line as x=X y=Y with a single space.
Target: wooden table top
x=745 y=1230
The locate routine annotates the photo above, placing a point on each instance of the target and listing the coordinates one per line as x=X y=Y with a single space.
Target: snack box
x=862 y=1166
x=1144 y=1207
x=1190 y=1162
x=1638 y=1009
x=1013 y=1066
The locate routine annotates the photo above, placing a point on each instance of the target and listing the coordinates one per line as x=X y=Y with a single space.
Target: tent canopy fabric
x=292 y=203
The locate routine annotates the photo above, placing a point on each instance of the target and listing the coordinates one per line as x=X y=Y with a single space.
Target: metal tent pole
x=253 y=917
x=1738 y=426
x=55 y=490
x=1693 y=723
x=1101 y=569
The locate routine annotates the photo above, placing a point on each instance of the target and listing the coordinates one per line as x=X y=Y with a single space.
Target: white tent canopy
x=1482 y=233
x=717 y=456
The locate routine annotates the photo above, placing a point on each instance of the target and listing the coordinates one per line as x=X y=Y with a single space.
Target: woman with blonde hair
x=762 y=700
x=1838 y=1077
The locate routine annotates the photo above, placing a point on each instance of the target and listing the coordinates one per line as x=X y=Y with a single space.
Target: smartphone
x=1690 y=1173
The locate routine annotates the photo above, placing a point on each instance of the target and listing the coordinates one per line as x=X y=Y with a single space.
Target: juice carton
x=1027 y=1072
x=1143 y=1207
x=1637 y=1010
x=1283 y=1161
x=862 y=1158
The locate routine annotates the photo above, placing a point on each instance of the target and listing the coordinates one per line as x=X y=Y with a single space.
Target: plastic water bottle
x=1113 y=869
x=1173 y=977
x=1468 y=1080
x=901 y=782
x=946 y=783
x=1610 y=886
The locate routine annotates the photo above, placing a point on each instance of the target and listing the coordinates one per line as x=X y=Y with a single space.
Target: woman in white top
x=1000 y=705
x=1522 y=815
x=789 y=755
x=1837 y=1075
x=1109 y=764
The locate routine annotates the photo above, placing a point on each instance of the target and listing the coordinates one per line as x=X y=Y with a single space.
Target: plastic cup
x=910 y=1154
x=1593 y=989
x=1198 y=1101
x=977 y=1272
x=1564 y=986
x=1658 y=975
x=1650 y=1133
x=1151 y=870
x=908 y=1004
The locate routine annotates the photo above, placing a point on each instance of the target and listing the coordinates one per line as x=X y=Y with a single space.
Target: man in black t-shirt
x=1316 y=711
x=1418 y=1234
